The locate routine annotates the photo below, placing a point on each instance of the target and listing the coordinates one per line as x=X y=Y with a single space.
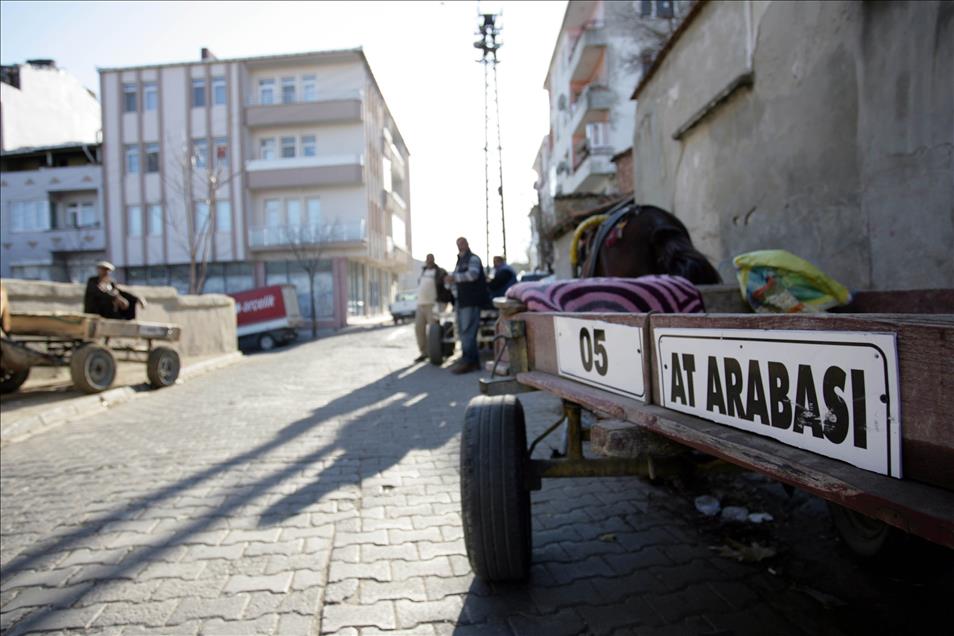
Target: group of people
x=474 y=292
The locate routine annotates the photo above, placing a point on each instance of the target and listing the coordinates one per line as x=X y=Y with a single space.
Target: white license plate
x=602 y=354
x=832 y=393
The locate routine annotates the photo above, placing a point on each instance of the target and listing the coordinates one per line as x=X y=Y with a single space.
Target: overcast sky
x=421 y=53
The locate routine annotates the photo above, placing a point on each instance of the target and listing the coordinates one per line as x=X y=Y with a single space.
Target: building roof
x=331 y=53
x=667 y=47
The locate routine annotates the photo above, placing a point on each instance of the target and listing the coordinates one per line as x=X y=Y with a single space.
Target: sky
x=421 y=54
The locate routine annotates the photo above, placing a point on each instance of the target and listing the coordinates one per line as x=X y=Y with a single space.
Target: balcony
x=593 y=105
x=587 y=52
x=392 y=201
x=591 y=168
x=305 y=172
x=285 y=236
x=332 y=109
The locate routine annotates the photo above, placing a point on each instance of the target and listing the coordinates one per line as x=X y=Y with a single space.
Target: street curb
x=78 y=408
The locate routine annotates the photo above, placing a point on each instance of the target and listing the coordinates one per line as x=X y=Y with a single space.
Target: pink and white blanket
x=664 y=293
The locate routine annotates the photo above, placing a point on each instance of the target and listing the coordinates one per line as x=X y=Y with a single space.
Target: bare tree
x=307 y=243
x=196 y=178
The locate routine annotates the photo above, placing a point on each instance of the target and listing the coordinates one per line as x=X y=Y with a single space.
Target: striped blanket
x=666 y=294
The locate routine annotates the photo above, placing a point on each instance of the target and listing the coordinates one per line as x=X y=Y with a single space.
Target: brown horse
x=639 y=240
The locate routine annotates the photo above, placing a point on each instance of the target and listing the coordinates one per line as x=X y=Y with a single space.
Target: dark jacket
x=471 y=282
x=504 y=278
x=102 y=303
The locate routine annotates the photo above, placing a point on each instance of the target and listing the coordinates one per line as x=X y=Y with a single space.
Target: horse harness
x=609 y=232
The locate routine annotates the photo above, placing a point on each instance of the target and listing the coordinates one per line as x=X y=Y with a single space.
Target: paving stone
x=225 y=607
x=151 y=614
x=335 y=617
x=405 y=551
x=379 y=571
x=207 y=587
x=297 y=624
x=566 y=621
x=412 y=536
x=219 y=627
x=206 y=552
x=374 y=591
x=412 y=613
x=86 y=557
x=57 y=619
x=439 y=566
x=276 y=583
x=45 y=578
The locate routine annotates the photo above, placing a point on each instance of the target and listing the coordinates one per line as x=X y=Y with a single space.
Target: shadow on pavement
x=375 y=437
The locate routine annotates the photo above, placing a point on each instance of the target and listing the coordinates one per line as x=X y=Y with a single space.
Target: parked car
x=266 y=317
x=404 y=306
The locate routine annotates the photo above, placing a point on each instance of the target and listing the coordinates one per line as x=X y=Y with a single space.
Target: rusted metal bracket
x=503 y=385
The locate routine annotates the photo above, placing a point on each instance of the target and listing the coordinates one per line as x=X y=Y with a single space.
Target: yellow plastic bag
x=776 y=281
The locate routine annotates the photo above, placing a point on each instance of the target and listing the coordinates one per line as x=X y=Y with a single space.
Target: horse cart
x=89 y=345
x=854 y=407
x=442 y=335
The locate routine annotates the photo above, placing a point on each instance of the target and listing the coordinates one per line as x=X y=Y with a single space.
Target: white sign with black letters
x=602 y=354
x=833 y=393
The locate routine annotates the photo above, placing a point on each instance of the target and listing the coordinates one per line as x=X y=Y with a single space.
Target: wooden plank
x=917 y=508
x=926 y=373
x=53 y=324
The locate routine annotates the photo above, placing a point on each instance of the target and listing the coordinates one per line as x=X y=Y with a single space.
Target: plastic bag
x=776 y=281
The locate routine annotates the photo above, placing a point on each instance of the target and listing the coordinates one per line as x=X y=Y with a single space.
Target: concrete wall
x=825 y=128
x=50 y=108
x=207 y=321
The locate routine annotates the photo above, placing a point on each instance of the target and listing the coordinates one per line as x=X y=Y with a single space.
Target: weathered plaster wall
x=839 y=149
x=207 y=321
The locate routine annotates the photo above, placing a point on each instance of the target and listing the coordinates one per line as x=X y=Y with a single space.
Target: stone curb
x=87 y=405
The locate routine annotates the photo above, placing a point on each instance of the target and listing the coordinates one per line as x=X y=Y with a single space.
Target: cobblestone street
x=315 y=490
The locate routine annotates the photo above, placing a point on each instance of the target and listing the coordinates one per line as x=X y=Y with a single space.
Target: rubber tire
x=160 y=377
x=865 y=536
x=266 y=342
x=495 y=500
x=435 y=343
x=10 y=381
x=92 y=368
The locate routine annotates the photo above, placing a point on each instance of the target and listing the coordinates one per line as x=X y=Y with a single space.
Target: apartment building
x=51 y=220
x=257 y=167
x=596 y=63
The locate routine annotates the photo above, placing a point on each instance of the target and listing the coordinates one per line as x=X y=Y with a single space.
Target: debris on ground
x=708 y=505
x=752 y=553
x=760 y=517
x=609 y=537
x=735 y=513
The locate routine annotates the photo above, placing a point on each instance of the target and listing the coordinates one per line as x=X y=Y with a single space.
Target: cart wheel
x=435 y=343
x=93 y=368
x=495 y=501
x=10 y=381
x=162 y=367
x=266 y=342
x=865 y=536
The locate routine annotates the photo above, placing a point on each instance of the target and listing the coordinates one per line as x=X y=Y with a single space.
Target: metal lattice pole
x=486 y=165
x=503 y=217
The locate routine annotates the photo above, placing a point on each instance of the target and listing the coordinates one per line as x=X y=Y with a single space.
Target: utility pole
x=489 y=30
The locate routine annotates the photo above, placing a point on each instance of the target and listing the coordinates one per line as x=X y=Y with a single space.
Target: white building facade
x=254 y=165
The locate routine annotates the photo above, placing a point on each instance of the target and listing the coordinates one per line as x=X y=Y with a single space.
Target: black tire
x=435 y=343
x=162 y=367
x=10 y=381
x=495 y=500
x=92 y=368
x=865 y=536
x=266 y=342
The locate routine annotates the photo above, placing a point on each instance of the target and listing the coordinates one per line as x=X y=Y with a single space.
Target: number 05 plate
x=602 y=354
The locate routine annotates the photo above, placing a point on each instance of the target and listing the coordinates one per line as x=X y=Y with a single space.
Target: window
x=132 y=159
x=72 y=215
x=152 y=157
x=645 y=8
x=386 y=173
x=198 y=93
x=307 y=145
x=200 y=151
x=313 y=210
x=129 y=98
x=87 y=216
x=399 y=231
x=288 y=147
x=218 y=91
x=293 y=212
x=150 y=96
x=30 y=215
x=221 y=148
x=309 y=88
x=134 y=220
x=223 y=216
x=288 y=90
x=273 y=213
x=266 y=91
x=202 y=218
x=154 y=219
x=266 y=149
x=664 y=8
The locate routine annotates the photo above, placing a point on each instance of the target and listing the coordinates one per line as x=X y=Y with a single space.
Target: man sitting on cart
x=105 y=299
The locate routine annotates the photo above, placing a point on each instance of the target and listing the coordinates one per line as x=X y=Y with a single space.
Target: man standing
x=432 y=278
x=471 y=297
x=504 y=278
